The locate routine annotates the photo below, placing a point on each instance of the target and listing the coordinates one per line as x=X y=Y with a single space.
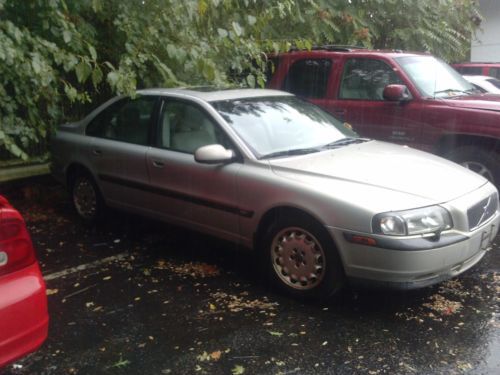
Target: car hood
x=488 y=102
x=384 y=165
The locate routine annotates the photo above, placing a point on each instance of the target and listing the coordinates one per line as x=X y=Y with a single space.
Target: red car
x=478 y=69
x=24 y=318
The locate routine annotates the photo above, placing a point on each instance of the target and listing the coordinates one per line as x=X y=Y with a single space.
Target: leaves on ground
x=120 y=363
x=193 y=269
x=442 y=305
x=274 y=333
x=207 y=357
x=238 y=370
x=235 y=303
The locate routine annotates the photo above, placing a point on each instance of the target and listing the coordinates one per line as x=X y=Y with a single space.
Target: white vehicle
x=485 y=83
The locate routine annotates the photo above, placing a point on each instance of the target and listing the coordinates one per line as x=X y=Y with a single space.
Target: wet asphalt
x=134 y=296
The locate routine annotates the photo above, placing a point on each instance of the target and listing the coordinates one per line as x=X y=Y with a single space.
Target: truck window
x=470 y=70
x=308 y=78
x=494 y=72
x=365 y=79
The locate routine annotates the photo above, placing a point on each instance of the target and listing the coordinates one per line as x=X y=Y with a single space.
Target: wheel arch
x=450 y=142
x=72 y=171
x=274 y=213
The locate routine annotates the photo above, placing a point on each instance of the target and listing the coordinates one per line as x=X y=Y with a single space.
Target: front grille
x=482 y=211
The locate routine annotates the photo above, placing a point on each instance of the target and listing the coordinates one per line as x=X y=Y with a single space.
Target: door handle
x=97 y=152
x=158 y=164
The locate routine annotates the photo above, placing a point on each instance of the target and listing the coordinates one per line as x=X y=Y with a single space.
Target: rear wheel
x=301 y=258
x=86 y=198
x=483 y=162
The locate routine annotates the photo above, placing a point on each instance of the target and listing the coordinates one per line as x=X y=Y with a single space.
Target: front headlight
x=433 y=219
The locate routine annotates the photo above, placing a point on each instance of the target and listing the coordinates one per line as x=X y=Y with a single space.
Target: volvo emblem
x=485 y=214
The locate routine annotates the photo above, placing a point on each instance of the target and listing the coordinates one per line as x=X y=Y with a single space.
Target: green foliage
x=441 y=27
x=44 y=61
x=60 y=58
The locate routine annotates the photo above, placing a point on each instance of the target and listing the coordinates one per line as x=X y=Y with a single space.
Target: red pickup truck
x=408 y=98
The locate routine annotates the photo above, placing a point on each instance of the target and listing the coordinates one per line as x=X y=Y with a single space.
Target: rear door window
x=308 y=78
x=128 y=120
x=365 y=79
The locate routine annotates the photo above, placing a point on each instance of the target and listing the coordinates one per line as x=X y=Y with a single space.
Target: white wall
x=486 y=46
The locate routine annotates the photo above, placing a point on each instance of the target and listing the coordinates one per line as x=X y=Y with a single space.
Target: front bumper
x=23 y=313
x=408 y=267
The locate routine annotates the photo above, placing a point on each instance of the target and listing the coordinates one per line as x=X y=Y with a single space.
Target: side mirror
x=396 y=93
x=213 y=154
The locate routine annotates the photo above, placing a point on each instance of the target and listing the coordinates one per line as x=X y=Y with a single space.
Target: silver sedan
x=261 y=168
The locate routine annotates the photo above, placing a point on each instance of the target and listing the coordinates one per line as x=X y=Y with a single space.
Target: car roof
x=352 y=52
x=478 y=64
x=214 y=94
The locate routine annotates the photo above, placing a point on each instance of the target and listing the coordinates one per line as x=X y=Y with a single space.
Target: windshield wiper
x=345 y=141
x=297 y=151
x=302 y=151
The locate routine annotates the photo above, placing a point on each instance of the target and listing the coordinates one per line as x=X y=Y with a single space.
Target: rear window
x=308 y=78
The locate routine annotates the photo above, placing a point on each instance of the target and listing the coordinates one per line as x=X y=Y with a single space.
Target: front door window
x=365 y=79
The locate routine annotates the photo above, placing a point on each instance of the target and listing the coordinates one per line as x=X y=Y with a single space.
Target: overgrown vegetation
x=59 y=58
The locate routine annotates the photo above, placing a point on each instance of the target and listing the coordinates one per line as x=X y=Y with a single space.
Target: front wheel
x=302 y=259
x=483 y=162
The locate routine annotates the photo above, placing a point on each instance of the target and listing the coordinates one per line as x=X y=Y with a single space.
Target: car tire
x=301 y=259
x=86 y=198
x=484 y=162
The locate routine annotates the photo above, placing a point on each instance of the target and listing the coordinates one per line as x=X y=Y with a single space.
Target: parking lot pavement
x=136 y=296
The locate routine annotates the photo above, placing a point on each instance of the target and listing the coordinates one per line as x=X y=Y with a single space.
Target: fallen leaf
x=121 y=363
x=216 y=355
x=274 y=333
x=238 y=370
x=52 y=291
x=203 y=357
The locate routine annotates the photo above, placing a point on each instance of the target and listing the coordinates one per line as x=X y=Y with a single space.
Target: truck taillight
x=16 y=249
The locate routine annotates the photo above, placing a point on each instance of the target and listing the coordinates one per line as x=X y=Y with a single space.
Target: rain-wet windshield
x=434 y=78
x=276 y=126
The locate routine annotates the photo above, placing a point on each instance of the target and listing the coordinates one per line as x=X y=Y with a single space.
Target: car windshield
x=284 y=125
x=434 y=78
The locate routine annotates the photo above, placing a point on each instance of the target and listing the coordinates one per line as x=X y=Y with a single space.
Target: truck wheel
x=301 y=259
x=486 y=163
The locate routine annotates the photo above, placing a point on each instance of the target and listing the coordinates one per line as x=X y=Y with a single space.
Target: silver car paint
x=341 y=188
